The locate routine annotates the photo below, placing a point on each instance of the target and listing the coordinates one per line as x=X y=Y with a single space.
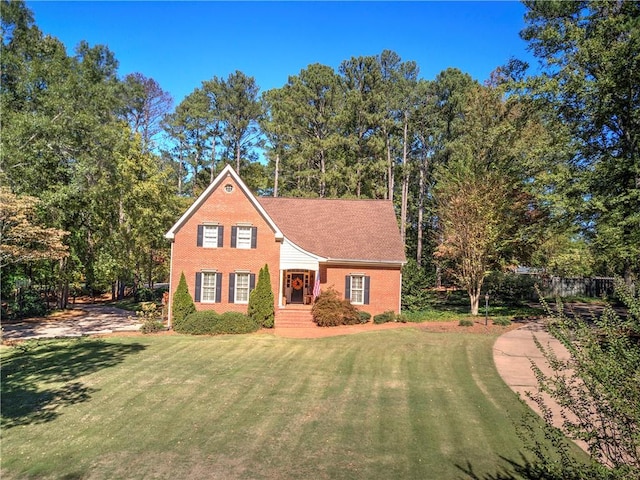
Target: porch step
x=298 y=318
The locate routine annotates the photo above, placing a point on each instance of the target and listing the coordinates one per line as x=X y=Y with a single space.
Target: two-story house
x=228 y=234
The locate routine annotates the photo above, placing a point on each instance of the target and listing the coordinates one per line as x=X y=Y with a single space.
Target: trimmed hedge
x=364 y=316
x=208 y=322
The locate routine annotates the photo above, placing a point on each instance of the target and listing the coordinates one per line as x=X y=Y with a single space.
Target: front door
x=297 y=287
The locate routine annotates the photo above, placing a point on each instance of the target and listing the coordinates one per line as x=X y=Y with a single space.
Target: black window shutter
x=218 y=287
x=254 y=237
x=232 y=287
x=220 y=236
x=198 y=286
x=252 y=281
x=200 y=234
x=347 y=287
x=234 y=234
x=367 y=283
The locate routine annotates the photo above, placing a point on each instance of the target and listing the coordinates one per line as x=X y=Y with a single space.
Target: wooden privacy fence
x=574 y=286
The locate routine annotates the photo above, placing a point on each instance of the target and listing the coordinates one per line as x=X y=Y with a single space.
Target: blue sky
x=181 y=44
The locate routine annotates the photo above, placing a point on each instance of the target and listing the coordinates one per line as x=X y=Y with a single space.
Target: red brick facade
x=384 y=285
x=227 y=203
x=226 y=209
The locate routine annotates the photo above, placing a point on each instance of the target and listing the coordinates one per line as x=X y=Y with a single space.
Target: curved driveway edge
x=99 y=319
x=513 y=353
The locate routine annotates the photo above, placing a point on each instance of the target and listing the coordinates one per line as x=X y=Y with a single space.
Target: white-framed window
x=357 y=289
x=208 y=287
x=210 y=236
x=243 y=239
x=242 y=287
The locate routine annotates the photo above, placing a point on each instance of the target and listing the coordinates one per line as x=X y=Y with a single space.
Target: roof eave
x=365 y=262
x=226 y=171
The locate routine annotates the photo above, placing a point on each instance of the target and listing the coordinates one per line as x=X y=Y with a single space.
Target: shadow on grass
x=515 y=470
x=29 y=368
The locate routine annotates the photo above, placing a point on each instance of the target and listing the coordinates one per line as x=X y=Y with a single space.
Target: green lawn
x=381 y=405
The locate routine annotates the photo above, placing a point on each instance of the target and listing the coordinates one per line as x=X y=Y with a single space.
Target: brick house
x=228 y=234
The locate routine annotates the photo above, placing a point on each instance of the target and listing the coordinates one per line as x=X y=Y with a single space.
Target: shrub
x=208 y=322
x=197 y=323
x=182 y=303
x=388 y=316
x=144 y=295
x=150 y=316
x=30 y=303
x=329 y=310
x=364 y=317
x=415 y=284
x=465 y=322
x=261 y=299
x=597 y=388
x=503 y=322
x=510 y=287
x=235 y=322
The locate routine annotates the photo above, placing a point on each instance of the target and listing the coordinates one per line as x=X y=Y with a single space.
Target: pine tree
x=261 y=300
x=182 y=303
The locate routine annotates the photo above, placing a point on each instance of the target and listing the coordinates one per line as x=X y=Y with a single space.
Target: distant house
x=228 y=234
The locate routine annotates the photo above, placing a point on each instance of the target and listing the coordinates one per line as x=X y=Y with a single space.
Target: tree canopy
x=537 y=170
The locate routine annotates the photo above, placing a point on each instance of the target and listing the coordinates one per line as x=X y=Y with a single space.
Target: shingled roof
x=339 y=229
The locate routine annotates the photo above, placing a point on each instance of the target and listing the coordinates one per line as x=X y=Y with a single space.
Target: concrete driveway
x=513 y=354
x=98 y=319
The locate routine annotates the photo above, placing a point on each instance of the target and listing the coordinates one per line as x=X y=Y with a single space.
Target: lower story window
x=242 y=288
x=357 y=289
x=208 y=292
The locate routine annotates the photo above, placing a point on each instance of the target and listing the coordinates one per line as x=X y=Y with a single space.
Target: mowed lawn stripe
x=391 y=404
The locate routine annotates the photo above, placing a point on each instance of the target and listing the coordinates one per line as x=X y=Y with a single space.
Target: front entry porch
x=297 y=287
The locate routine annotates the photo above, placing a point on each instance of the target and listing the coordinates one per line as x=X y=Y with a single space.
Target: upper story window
x=243 y=240
x=228 y=188
x=243 y=236
x=210 y=235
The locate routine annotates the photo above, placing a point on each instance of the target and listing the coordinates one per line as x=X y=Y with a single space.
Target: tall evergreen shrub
x=182 y=303
x=260 y=308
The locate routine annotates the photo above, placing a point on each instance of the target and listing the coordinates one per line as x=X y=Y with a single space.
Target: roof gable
x=228 y=171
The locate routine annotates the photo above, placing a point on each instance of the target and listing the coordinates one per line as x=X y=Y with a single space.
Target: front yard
x=403 y=403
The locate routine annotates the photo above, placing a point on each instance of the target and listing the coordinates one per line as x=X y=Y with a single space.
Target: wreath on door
x=296 y=284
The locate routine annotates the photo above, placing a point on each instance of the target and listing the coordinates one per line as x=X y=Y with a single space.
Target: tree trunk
x=238 y=158
x=390 y=178
x=323 y=173
x=405 y=182
x=474 y=298
x=275 y=177
x=213 y=161
x=420 y=217
x=63 y=285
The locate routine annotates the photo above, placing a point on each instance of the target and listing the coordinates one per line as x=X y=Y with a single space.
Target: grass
x=455 y=306
x=395 y=404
